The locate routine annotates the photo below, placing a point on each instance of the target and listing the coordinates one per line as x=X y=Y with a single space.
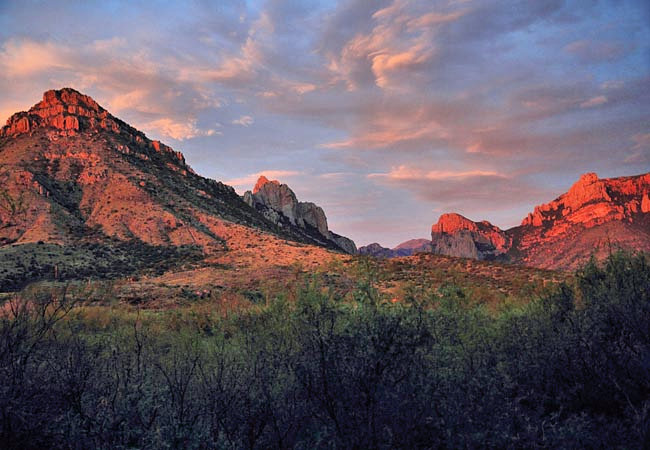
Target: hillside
x=73 y=175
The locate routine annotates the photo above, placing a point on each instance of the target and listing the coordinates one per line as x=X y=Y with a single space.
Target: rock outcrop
x=66 y=112
x=455 y=235
x=278 y=197
x=279 y=204
x=343 y=242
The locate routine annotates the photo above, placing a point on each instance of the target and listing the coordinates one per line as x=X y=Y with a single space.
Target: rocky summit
x=279 y=204
x=594 y=217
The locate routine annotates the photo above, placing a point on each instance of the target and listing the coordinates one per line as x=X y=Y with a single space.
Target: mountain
x=73 y=175
x=413 y=246
x=592 y=218
x=279 y=204
x=376 y=250
x=407 y=248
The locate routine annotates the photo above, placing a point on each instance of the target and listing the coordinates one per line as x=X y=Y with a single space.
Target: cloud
x=640 y=153
x=390 y=127
x=594 y=101
x=641 y=141
x=400 y=43
x=597 y=51
x=244 y=121
x=25 y=57
x=476 y=192
x=178 y=130
x=409 y=173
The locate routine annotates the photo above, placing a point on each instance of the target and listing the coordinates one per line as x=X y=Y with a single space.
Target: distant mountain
x=279 y=204
x=71 y=173
x=407 y=248
x=592 y=218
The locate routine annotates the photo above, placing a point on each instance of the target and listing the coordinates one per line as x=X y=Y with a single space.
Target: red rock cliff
x=455 y=235
x=592 y=201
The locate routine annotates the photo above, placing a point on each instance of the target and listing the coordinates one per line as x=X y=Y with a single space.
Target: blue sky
x=386 y=113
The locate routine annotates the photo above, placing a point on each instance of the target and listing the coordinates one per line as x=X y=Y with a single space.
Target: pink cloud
x=178 y=130
x=594 y=101
x=25 y=57
x=244 y=121
x=404 y=172
x=592 y=51
x=400 y=42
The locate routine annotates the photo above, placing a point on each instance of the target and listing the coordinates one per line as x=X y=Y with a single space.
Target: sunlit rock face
x=278 y=203
x=592 y=201
x=455 y=235
x=66 y=112
x=594 y=217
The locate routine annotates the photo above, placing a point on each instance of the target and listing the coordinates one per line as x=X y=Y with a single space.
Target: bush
x=570 y=369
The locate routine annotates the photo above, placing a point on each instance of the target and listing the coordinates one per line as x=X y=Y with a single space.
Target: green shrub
x=568 y=370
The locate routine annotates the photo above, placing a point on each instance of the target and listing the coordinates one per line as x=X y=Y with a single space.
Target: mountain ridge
x=71 y=172
x=592 y=217
x=406 y=248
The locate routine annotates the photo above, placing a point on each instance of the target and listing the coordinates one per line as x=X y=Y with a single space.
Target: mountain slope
x=72 y=173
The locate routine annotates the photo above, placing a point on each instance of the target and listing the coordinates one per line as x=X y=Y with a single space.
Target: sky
x=387 y=113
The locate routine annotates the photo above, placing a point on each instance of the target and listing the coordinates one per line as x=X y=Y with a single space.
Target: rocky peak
x=68 y=112
x=452 y=222
x=376 y=250
x=279 y=197
x=68 y=99
x=261 y=181
x=65 y=110
x=279 y=204
x=414 y=245
x=587 y=189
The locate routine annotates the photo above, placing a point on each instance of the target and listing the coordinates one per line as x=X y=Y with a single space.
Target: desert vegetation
x=309 y=368
x=23 y=264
